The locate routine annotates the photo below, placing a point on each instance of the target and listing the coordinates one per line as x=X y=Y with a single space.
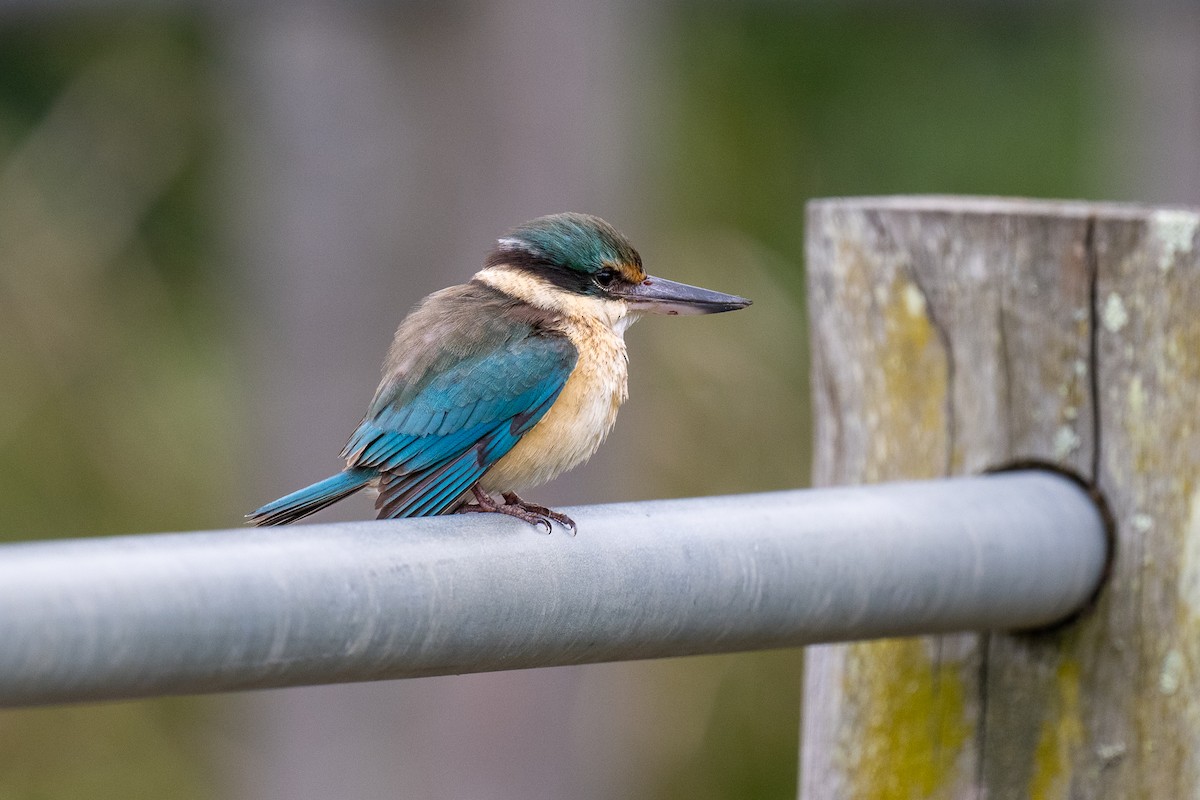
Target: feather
x=312 y=499
x=454 y=400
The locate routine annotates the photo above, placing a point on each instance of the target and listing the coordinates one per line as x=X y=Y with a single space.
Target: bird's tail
x=312 y=499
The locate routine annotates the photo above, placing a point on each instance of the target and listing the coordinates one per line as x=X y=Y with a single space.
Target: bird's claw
x=513 y=506
x=511 y=499
x=563 y=520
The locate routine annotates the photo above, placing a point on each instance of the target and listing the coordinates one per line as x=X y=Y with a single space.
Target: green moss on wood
x=910 y=397
x=913 y=721
x=1061 y=734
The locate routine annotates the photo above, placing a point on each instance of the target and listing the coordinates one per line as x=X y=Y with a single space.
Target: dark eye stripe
x=560 y=275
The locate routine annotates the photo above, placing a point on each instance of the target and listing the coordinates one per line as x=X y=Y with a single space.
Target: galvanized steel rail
x=199 y=612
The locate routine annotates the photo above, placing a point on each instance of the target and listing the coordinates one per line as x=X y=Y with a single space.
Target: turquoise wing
x=434 y=437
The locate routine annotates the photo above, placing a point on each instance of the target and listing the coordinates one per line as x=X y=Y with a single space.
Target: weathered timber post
x=952 y=335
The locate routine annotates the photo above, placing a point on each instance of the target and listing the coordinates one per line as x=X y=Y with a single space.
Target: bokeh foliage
x=118 y=415
x=116 y=412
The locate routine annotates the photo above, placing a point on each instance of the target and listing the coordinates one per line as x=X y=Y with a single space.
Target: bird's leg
x=485 y=503
x=511 y=499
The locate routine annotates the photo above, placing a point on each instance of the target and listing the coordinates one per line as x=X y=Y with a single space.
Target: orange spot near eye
x=632 y=273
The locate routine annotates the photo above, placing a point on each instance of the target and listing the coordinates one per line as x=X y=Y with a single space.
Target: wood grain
x=952 y=335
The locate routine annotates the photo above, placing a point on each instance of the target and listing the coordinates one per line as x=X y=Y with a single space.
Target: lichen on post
x=953 y=335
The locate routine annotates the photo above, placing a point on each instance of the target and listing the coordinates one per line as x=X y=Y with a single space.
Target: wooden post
x=951 y=335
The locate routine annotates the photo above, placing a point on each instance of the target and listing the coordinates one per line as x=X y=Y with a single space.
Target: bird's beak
x=661 y=296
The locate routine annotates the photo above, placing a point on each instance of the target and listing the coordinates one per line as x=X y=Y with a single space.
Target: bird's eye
x=605 y=277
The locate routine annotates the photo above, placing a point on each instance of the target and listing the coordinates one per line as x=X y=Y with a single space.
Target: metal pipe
x=160 y=614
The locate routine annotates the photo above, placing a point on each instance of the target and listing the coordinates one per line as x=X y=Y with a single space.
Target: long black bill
x=661 y=296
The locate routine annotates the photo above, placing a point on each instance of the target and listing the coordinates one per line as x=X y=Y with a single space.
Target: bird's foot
x=511 y=499
x=513 y=506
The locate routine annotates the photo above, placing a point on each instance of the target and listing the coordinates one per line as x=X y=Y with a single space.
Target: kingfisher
x=505 y=381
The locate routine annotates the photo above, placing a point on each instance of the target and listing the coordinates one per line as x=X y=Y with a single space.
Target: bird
x=504 y=382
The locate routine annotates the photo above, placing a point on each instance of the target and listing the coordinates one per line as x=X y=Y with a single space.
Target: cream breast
x=584 y=413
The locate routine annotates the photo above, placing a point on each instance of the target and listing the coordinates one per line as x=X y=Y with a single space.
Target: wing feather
x=433 y=432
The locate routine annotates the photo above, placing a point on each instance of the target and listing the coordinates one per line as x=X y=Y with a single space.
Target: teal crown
x=579 y=242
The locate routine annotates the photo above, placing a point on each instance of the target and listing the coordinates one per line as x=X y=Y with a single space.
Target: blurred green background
x=140 y=332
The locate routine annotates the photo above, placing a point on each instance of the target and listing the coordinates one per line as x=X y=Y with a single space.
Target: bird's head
x=581 y=260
